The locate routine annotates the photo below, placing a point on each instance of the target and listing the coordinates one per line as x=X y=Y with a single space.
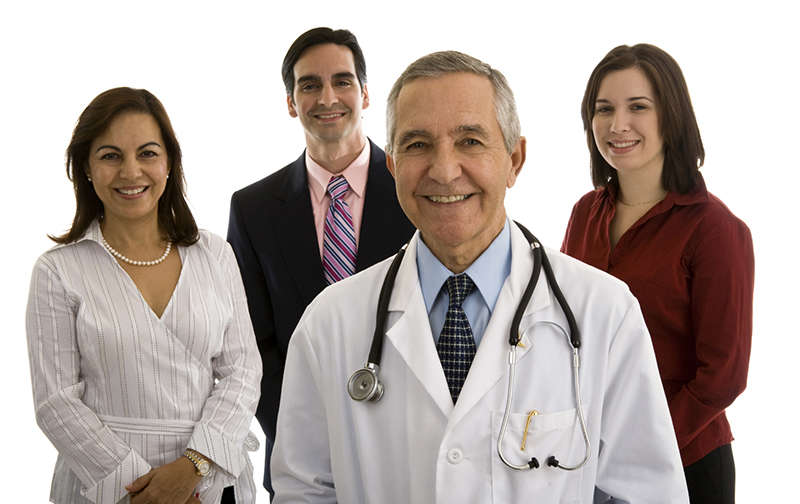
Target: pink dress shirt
x=318 y=178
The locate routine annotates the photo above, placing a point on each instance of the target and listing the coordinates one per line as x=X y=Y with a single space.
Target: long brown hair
x=174 y=216
x=683 y=147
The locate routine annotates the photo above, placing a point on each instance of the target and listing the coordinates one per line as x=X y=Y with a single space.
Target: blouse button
x=455 y=456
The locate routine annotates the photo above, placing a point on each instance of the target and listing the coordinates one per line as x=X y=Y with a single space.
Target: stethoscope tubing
x=383 y=308
x=512 y=359
x=364 y=384
x=533 y=462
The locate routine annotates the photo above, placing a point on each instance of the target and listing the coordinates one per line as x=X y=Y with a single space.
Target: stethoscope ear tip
x=533 y=463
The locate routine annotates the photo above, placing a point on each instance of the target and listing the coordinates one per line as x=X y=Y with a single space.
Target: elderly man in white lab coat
x=454 y=147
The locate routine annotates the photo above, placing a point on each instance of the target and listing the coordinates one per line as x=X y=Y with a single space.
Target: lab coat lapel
x=491 y=360
x=411 y=333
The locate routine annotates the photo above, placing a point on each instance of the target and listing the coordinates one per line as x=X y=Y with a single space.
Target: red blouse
x=689 y=262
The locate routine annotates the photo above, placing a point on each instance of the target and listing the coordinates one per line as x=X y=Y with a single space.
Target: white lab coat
x=415 y=446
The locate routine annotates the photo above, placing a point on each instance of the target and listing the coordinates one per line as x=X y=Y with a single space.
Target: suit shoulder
x=376 y=153
x=272 y=183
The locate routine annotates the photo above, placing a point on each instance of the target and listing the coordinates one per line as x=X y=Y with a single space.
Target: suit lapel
x=379 y=222
x=295 y=224
x=410 y=333
x=297 y=234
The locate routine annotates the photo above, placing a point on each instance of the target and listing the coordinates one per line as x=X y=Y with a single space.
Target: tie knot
x=337 y=187
x=458 y=288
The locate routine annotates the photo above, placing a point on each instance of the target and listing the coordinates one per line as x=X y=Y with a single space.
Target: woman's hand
x=168 y=484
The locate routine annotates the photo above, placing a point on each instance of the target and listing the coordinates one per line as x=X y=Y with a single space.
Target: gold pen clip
x=531 y=414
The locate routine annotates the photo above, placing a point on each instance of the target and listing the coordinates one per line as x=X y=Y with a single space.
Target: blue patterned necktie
x=339 y=242
x=456 y=344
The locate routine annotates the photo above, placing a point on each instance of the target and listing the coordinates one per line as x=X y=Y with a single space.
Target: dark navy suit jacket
x=272 y=232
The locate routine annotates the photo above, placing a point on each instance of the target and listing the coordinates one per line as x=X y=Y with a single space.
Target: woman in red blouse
x=686 y=257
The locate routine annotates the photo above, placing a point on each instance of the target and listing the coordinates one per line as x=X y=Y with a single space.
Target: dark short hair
x=174 y=216
x=317 y=36
x=683 y=147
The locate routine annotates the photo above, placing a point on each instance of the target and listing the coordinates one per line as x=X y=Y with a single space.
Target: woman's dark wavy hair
x=174 y=216
x=683 y=147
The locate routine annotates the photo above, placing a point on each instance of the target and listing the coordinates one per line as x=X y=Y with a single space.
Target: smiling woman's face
x=128 y=165
x=625 y=123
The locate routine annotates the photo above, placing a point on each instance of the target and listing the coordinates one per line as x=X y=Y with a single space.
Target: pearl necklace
x=121 y=257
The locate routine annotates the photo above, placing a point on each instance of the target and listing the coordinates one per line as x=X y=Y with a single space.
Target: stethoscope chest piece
x=364 y=384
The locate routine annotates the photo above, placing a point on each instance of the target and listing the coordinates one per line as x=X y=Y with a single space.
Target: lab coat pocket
x=540 y=435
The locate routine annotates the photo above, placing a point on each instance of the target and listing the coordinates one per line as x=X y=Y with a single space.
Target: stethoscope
x=364 y=384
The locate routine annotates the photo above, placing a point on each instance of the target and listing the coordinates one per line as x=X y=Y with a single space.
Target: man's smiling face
x=450 y=163
x=327 y=96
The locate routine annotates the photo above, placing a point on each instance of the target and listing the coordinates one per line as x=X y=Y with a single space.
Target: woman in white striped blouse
x=144 y=365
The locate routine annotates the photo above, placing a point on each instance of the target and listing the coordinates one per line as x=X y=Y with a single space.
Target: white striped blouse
x=119 y=390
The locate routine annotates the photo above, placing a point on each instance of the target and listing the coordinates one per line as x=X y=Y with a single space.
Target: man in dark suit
x=328 y=214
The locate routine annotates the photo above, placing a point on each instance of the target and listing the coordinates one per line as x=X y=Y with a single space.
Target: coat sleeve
x=228 y=412
x=261 y=315
x=721 y=266
x=301 y=461
x=100 y=459
x=638 y=455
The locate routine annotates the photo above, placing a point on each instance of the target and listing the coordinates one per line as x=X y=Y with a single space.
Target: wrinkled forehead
x=446 y=102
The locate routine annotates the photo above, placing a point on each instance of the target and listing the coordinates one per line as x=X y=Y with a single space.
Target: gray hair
x=447 y=62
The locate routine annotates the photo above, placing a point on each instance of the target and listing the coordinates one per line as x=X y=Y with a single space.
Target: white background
x=217 y=71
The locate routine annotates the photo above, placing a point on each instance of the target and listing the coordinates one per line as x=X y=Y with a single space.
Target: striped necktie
x=456 y=344
x=339 y=243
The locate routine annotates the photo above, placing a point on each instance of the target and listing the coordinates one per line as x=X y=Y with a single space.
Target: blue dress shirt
x=488 y=272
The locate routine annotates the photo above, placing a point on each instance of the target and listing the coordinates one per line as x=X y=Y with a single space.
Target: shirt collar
x=699 y=194
x=488 y=271
x=93 y=232
x=355 y=174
